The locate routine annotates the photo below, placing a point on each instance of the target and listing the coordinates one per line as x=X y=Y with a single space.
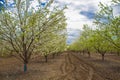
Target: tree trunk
x=103 y=56
x=118 y=53
x=25 y=67
x=89 y=54
x=83 y=52
x=57 y=53
x=53 y=55
x=46 y=59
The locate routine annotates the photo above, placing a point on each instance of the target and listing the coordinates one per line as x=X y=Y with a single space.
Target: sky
x=80 y=12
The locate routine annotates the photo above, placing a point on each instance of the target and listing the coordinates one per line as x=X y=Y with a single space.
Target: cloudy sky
x=79 y=12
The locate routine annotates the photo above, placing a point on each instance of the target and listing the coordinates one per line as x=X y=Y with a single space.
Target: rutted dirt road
x=73 y=68
x=67 y=66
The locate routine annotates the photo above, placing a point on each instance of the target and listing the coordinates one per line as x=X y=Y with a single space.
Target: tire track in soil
x=90 y=69
x=69 y=68
x=72 y=69
x=66 y=69
x=91 y=73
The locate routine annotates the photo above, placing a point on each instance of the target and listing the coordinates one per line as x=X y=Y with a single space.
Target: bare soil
x=67 y=66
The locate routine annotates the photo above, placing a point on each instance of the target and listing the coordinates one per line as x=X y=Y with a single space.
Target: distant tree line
x=105 y=37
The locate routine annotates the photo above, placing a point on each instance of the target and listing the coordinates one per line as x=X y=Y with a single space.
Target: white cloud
x=116 y=10
x=75 y=19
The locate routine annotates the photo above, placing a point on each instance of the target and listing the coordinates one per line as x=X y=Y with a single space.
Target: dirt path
x=73 y=68
x=108 y=69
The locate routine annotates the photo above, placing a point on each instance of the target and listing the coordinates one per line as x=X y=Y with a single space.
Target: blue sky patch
x=88 y=14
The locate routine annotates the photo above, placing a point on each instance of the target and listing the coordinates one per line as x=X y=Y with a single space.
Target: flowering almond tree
x=23 y=26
